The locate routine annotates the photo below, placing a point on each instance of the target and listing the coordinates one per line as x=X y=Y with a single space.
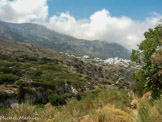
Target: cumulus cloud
x=102 y=26
x=20 y=11
x=99 y=26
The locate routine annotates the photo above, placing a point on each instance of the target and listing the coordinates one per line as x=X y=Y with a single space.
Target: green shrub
x=6 y=70
x=5 y=57
x=21 y=83
x=57 y=100
x=3 y=96
x=2 y=63
x=49 y=92
x=7 y=78
x=29 y=90
x=16 y=72
x=36 y=74
x=45 y=60
x=67 y=95
x=28 y=58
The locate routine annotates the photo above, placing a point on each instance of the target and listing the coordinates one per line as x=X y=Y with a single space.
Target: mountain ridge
x=40 y=35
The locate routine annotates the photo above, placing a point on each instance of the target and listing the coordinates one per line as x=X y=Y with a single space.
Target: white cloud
x=23 y=10
x=102 y=26
x=99 y=26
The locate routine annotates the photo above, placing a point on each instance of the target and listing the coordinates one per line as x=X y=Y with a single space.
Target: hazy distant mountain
x=40 y=35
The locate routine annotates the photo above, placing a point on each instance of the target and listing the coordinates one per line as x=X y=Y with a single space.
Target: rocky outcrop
x=70 y=89
x=10 y=97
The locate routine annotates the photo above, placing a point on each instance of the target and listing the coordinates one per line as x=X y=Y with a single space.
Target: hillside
x=43 y=85
x=14 y=49
x=42 y=69
x=40 y=35
x=108 y=105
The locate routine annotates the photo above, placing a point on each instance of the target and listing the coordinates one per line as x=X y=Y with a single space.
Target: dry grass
x=100 y=106
x=150 y=111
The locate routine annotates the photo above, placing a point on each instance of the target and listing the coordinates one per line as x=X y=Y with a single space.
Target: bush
x=3 y=96
x=49 y=92
x=67 y=95
x=16 y=72
x=57 y=100
x=6 y=70
x=21 y=83
x=5 y=57
x=37 y=73
x=29 y=90
x=28 y=58
x=7 y=78
x=45 y=60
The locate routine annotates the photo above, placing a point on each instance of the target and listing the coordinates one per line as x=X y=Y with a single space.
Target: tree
x=148 y=77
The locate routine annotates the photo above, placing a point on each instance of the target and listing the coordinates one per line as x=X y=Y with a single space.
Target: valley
x=49 y=76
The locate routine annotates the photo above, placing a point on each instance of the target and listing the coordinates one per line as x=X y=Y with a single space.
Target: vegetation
x=150 y=111
x=44 y=80
x=57 y=100
x=7 y=78
x=59 y=42
x=100 y=105
x=149 y=77
x=3 y=96
x=65 y=89
x=29 y=74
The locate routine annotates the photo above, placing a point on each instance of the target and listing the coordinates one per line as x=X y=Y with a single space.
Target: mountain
x=40 y=35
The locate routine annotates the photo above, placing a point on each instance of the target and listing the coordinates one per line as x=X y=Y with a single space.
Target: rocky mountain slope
x=40 y=35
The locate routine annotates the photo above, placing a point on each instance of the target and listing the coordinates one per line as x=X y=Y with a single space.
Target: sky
x=119 y=21
x=136 y=9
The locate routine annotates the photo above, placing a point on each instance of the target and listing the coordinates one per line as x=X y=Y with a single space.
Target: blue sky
x=135 y=9
x=119 y=21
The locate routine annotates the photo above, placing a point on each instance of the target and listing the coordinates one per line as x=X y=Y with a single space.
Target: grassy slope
x=100 y=106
